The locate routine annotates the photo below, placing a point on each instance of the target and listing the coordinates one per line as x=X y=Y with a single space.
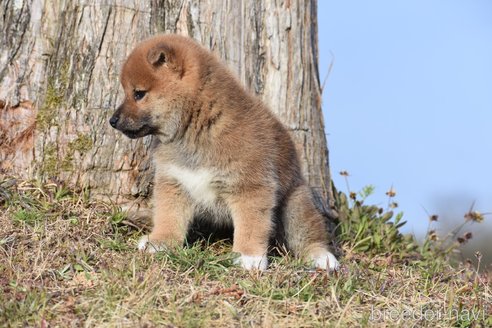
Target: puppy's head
x=156 y=81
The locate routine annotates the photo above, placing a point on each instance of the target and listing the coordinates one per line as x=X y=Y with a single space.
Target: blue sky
x=408 y=102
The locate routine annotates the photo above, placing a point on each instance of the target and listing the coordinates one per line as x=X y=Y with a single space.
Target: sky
x=408 y=102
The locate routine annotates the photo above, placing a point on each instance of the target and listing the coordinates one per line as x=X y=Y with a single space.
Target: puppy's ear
x=160 y=54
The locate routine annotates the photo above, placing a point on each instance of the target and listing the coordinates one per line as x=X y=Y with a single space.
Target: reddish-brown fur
x=221 y=154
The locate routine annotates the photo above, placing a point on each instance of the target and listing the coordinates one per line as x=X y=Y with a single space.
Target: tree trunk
x=59 y=82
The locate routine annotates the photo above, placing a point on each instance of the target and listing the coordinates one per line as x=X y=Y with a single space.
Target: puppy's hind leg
x=306 y=231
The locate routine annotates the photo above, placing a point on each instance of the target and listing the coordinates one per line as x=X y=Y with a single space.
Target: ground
x=67 y=260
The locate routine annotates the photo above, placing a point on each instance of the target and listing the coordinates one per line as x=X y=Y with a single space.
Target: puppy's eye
x=139 y=94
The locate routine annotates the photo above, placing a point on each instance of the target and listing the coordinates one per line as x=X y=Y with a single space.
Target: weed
x=371 y=229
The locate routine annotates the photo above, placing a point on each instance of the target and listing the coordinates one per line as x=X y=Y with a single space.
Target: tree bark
x=59 y=82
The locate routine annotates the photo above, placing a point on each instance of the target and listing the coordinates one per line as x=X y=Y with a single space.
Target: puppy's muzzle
x=132 y=127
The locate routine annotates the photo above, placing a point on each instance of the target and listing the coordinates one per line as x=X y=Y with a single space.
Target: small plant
x=117 y=217
x=27 y=216
x=368 y=228
x=448 y=246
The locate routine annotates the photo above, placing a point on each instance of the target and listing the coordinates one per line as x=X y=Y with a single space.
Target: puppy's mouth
x=143 y=131
x=131 y=127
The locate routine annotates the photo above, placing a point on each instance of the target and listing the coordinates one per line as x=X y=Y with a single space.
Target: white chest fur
x=198 y=183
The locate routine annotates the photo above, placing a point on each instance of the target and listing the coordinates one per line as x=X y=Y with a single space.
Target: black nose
x=113 y=120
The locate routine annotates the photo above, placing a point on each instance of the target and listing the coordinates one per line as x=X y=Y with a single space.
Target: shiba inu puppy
x=221 y=155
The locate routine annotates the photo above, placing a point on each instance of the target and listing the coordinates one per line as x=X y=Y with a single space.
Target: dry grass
x=69 y=261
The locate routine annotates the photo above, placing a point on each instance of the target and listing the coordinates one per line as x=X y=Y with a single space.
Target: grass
x=66 y=260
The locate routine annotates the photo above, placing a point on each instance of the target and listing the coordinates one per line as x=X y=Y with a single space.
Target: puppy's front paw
x=252 y=262
x=146 y=245
x=326 y=261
